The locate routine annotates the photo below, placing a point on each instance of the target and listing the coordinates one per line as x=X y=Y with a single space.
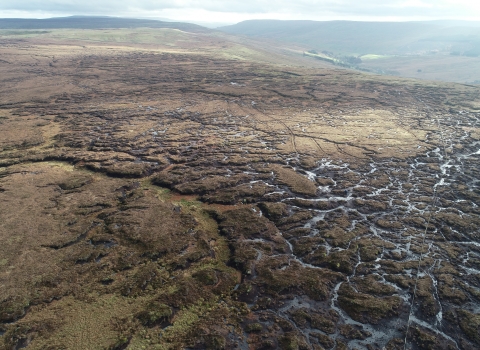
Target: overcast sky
x=232 y=11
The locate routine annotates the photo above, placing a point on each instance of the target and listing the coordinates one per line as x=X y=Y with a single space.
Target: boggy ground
x=171 y=200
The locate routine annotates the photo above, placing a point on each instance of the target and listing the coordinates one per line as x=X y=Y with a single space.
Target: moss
x=428 y=303
x=126 y=328
x=267 y=344
x=326 y=322
x=144 y=276
x=284 y=324
x=206 y=276
x=401 y=281
x=342 y=261
x=338 y=237
x=201 y=323
x=273 y=211
x=366 y=308
x=389 y=224
x=296 y=182
x=124 y=169
x=21 y=336
x=312 y=282
x=323 y=339
x=209 y=184
x=288 y=342
x=154 y=313
x=296 y=232
x=243 y=257
x=395 y=344
x=470 y=325
x=253 y=328
x=13 y=308
x=325 y=181
x=351 y=332
x=301 y=317
x=215 y=342
x=371 y=285
x=16 y=337
x=75 y=182
x=306 y=245
x=245 y=193
x=323 y=323
x=369 y=206
x=183 y=322
x=449 y=288
x=296 y=218
x=293 y=340
x=369 y=252
x=245 y=222
x=425 y=339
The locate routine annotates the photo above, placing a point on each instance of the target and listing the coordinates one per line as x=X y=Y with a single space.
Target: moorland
x=170 y=189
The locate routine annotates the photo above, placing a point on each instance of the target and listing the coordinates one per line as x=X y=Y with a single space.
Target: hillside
x=167 y=37
x=92 y=22
x=360 y=38
x=435 y=50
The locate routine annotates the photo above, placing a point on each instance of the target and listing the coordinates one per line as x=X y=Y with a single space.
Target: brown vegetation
x=160 y=197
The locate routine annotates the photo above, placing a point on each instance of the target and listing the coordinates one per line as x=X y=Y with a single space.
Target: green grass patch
x=373 y=57
x=23 y=32
x=321 y=57
x=164 y=36
x=189 y=203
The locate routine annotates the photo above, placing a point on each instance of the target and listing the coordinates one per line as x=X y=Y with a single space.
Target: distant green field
x=163 y=36
x=24 y=33
x=373 y=57
x=321 y=57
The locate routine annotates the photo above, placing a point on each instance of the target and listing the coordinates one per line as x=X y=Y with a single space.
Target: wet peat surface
x=178 y=201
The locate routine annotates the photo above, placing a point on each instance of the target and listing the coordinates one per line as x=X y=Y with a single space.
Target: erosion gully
x=439 y=187
x=421 y=216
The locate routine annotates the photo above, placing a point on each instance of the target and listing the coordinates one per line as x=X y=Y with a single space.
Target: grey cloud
x=398 y=8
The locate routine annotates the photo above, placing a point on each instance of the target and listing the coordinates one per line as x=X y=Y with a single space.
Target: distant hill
x=361 y=38
x=86 y=22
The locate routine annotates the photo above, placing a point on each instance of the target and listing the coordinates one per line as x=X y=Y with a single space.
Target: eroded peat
x=171 y=201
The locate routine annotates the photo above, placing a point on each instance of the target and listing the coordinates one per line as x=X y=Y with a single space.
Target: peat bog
x=169 y=199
